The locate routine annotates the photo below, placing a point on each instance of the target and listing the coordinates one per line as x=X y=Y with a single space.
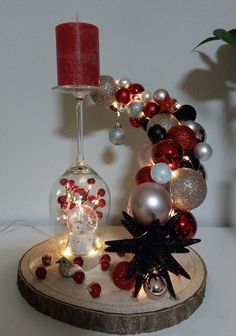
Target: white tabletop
x=216 y=315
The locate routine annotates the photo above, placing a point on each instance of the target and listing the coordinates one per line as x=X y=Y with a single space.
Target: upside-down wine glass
x=80 y=199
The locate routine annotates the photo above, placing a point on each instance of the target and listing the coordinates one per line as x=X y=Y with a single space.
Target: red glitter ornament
x=135 y=88
x=184 y=136
x=186 y=226
x=94 y=290
x=151 y=109
x=41 y=272
x=143 y=175
x=79 y=277
x=169 y=152
x=123 y=96
x=119 y=274
x=166 y=105
x=135 y=122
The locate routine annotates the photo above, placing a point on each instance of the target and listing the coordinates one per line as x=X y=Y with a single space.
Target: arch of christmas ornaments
x=170 y=183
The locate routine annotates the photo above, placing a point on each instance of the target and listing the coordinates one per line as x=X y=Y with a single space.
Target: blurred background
x=149 y=42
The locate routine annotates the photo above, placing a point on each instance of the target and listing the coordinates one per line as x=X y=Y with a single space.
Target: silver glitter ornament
x=155 y=286
x=146 y=96
x=202 y=151
x=135 y=109
x=117 y=134
x=196 y=128
x=166 y=120
x=188 y=189
x=123 y=82
x=106 y=95
x=160 y=94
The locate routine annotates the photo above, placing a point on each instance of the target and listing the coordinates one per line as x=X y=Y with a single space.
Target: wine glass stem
x=80 y=131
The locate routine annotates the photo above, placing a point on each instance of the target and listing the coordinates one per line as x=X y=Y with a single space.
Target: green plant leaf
x=221 y=34
x=226 y=36
x=213 y=38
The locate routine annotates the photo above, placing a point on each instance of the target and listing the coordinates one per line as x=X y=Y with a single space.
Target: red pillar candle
x=77 y=54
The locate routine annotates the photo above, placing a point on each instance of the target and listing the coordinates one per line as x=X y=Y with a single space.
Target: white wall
x=147 y=41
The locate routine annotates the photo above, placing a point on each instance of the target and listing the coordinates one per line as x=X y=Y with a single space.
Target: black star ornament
x=152 y=248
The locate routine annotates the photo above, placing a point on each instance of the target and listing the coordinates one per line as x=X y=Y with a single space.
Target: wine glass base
x=79 y=168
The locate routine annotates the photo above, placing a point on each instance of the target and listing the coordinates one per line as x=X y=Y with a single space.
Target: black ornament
x=156 y=133
x=152 y=247
x=143 y=123
x=190 y=161
x=186 y=112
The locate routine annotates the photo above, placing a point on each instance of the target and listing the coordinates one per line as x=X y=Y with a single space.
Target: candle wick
x=77 y=17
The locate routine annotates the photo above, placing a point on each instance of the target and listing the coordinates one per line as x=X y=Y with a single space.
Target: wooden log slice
x=114 y=311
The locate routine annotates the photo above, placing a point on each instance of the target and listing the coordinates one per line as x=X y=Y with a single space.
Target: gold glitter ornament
x=166 y=120
x=188 y=189
x=107 y=93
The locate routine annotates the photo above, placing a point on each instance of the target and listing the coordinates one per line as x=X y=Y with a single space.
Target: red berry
x=64 y=205
x=151 y=109
x=72 y=206
x=119 y=274
x=83 y=193
x=91 y=181
x=41 y=272
x=95 y=290
x=78 y=261
x=63 y=181
x=76 y=189
x=101 y=203
x=71 y=183
x=105 y=257
x=79 y=277
x=105 y=265
x=91 y=199
x=121 y=254
x=46 y=259
x=135 y=122
x=62 y=199
x=123 y=96
x=99 y=214
x=101 y=192
x=135 y=89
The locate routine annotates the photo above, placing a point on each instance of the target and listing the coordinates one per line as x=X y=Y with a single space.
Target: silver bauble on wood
x=155 y=286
